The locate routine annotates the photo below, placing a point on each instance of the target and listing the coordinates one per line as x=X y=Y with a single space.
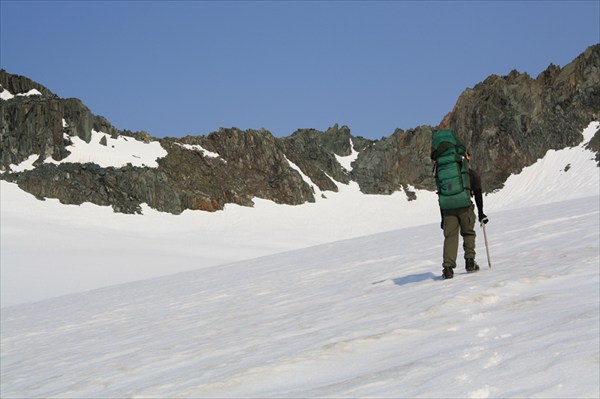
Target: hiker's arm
x=477 y=194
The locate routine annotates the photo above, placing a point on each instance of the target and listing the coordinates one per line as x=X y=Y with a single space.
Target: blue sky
x=174 y=68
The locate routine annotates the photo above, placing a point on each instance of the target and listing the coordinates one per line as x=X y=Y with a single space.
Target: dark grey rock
x=509 y=122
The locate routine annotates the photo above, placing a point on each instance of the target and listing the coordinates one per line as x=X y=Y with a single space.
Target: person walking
x=462 y=220
x=457 y=185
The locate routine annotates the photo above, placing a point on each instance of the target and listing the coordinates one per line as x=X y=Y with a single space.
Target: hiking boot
x=447 y=273
x=471 y=266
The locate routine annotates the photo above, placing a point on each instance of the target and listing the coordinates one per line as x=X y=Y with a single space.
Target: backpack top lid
x=442 y=140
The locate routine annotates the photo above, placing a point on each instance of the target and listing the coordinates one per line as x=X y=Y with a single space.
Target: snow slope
x=117 y=152
x=68 y=248
x=357 y=309
x=106 y=248
x=559 y=176
x=356 y=318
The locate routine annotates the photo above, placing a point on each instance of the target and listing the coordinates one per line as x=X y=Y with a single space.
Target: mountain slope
x=507 y=122
x=367 y=316
x=49 y=249
x=363 y=317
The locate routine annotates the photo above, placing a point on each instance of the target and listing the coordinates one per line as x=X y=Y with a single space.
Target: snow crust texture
x=362 y=317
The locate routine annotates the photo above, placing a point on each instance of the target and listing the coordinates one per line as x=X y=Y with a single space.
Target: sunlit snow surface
x=346 y=302
x=7 y=95
x=117 y=152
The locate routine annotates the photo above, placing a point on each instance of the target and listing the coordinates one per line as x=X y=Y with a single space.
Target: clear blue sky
x=174 y=68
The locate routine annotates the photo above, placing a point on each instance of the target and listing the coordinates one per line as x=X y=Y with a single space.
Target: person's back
x=457 y=183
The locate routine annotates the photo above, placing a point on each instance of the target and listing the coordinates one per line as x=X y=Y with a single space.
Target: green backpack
x=451 y=170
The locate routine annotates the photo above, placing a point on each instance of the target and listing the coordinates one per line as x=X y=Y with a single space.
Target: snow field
x=558 y=176
x=117 y=152
x=106 y=248
x=361 y=317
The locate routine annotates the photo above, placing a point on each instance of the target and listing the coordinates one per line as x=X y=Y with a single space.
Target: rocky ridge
x=508 y=122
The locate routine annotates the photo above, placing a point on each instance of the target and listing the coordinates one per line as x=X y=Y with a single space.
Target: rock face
x=509 y=122
x=37 y=124
x=394 y=162
x=314 y=153
x=506 y=122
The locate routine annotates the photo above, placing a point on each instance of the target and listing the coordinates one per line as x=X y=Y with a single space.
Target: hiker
x=457 y=183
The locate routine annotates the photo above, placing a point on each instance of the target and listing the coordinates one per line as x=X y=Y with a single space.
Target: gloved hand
x=483 y=219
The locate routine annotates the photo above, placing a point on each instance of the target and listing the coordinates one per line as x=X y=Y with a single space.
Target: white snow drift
x=201 y=150
x=7 y=95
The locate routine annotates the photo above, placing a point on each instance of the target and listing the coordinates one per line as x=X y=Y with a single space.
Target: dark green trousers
x=458 y=221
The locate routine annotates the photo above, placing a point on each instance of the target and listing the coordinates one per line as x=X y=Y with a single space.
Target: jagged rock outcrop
x=249 y=164
x=37 y=124
x=394 y=162
x=594 y=145
x=21 y=84
x=314 y=153
x=185 y=179
x=508 y=122
x=125 y=189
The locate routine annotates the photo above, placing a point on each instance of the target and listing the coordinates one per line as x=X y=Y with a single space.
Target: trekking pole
x=487 y=249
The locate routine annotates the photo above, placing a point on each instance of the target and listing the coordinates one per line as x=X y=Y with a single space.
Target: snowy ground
x=364 y=314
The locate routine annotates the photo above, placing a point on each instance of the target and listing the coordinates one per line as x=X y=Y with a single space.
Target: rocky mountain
x=508 y=122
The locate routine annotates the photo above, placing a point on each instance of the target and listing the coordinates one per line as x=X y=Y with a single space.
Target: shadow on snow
x=414 y=278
